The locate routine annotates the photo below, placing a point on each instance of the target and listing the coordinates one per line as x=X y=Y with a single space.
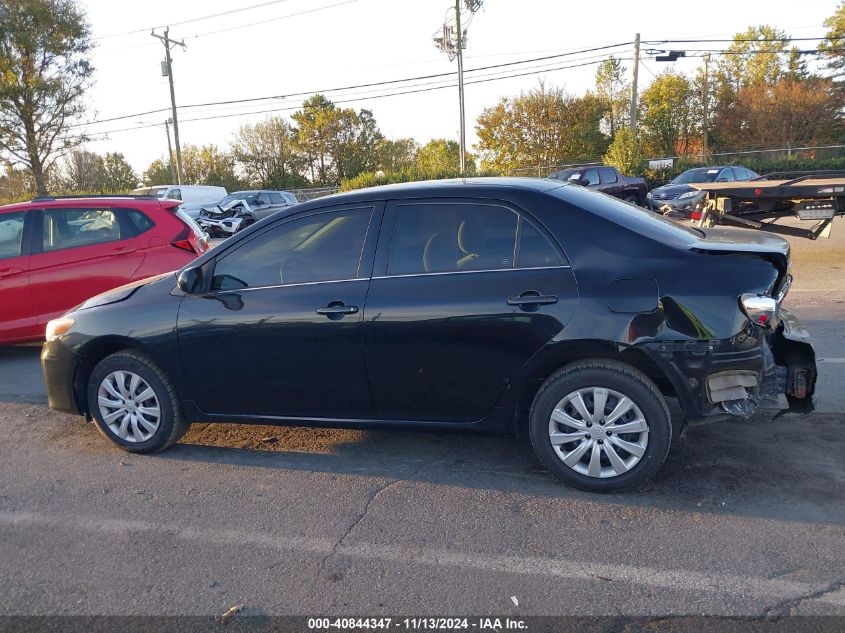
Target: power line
x=191 y=20
x=366 y=98
x=358 y=86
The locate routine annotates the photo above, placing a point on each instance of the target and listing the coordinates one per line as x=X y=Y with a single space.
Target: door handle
x=10 y=272
x=122 y=251
x=531 y=299
x=337 y=310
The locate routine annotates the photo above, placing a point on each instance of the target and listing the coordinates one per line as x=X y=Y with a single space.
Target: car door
x=262 y=206
x=610 y=183
x=17 y=314
x=463 y=293
x=77 y=253
x=278 y=331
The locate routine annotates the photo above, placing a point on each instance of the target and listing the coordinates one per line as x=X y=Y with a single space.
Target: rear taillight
x=762 y=310
x=185 y=245
x=695 y=215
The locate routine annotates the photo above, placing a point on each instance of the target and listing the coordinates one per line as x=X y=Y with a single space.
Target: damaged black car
x=499 y=305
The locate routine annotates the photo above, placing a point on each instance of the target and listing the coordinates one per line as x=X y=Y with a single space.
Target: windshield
x=696 y=175
x=249 y=196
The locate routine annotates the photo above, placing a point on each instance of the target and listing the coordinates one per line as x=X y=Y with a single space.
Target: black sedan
x=497 y=305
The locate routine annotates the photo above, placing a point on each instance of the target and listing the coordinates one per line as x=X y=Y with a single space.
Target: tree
x=82 y=172
x=796 y=65
x=208 y=165
x=625 y=152
x=789 y=113
x=540 y=128
x=15 y=184
x=313 y=120
x=833 y=46
x=268 y=155
x=754 y=58
x=441 y=156
x=160 y=172
x=666 y=110
x=119 y=175
x=44 y=72
x=614 y=93
x=395 y=155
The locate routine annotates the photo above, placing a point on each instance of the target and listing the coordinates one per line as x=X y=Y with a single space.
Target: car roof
x=455 y=187
x=58 y=201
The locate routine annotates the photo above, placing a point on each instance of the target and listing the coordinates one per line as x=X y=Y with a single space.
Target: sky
x=303 y=46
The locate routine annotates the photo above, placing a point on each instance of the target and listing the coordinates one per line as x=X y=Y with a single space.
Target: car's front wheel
x=134 y=404
x=600 y=425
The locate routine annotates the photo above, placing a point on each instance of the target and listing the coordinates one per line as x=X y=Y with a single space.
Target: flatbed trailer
x=817 y=196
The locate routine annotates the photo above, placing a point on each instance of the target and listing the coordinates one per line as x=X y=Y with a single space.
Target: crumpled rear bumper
x=735 y=377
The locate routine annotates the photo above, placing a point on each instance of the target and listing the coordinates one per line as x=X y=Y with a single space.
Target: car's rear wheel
x=600 y=425
x=134 y=404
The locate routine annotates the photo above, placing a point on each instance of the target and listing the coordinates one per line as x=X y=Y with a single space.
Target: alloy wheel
x=129 y=406
x=598 y=432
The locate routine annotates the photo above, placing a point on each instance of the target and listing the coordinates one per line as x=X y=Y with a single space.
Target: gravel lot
x=746 y=518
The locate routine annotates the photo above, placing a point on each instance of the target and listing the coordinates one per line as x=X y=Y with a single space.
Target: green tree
x=160 y=172
x=208 y=165
x=268 y=155
x=796 y=66
x=118 y=174
x=666 y=114
x=833 y=46
x=754 y=58
x=395 y=155
x=44 y=72
x=314 y=121
x=441 y=156
x=625 y=152
x=614 y=93
x=540 y=128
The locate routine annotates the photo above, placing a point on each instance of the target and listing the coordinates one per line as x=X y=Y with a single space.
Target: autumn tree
x=540 y=128
x=268 y=155
x=789 y=113
x=208 y=165
x=614 y=93
x=44 y=72
x=395 y=155
x=666 y=114
x=159 y=172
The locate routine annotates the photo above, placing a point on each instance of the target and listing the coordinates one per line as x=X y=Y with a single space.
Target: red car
x=56 y=252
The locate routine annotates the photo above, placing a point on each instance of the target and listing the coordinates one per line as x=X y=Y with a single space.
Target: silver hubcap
x=129 y=406
x=598 y=432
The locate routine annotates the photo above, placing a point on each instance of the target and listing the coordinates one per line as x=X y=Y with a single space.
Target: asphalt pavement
x=746 y=517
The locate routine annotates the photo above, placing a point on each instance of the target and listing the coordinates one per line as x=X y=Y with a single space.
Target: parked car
x=192 y=197
x=607 y=180
x=480 y=305
x=679 y=199
x=241 y=209
x=56 y=252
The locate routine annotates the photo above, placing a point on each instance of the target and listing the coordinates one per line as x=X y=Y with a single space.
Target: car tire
x=134 y=404
x=597 y=458
x=631 y=200
x=245 y=224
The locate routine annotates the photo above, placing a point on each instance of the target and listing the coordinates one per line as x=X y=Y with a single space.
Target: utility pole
x=461 y=87
x=634 y=84
x=704 y=124
x=167 y=68
x=452 y=41
x=170 y=152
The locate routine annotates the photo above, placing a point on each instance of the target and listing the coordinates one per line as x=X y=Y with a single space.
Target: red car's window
x=11 y=234
x=69 y=228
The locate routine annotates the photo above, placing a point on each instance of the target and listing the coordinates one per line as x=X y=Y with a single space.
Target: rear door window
x=451 y=237
x=11 y=235
x=70 y=228
x=535 y=251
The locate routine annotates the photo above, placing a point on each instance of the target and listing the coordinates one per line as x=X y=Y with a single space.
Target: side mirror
x=189 y=280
